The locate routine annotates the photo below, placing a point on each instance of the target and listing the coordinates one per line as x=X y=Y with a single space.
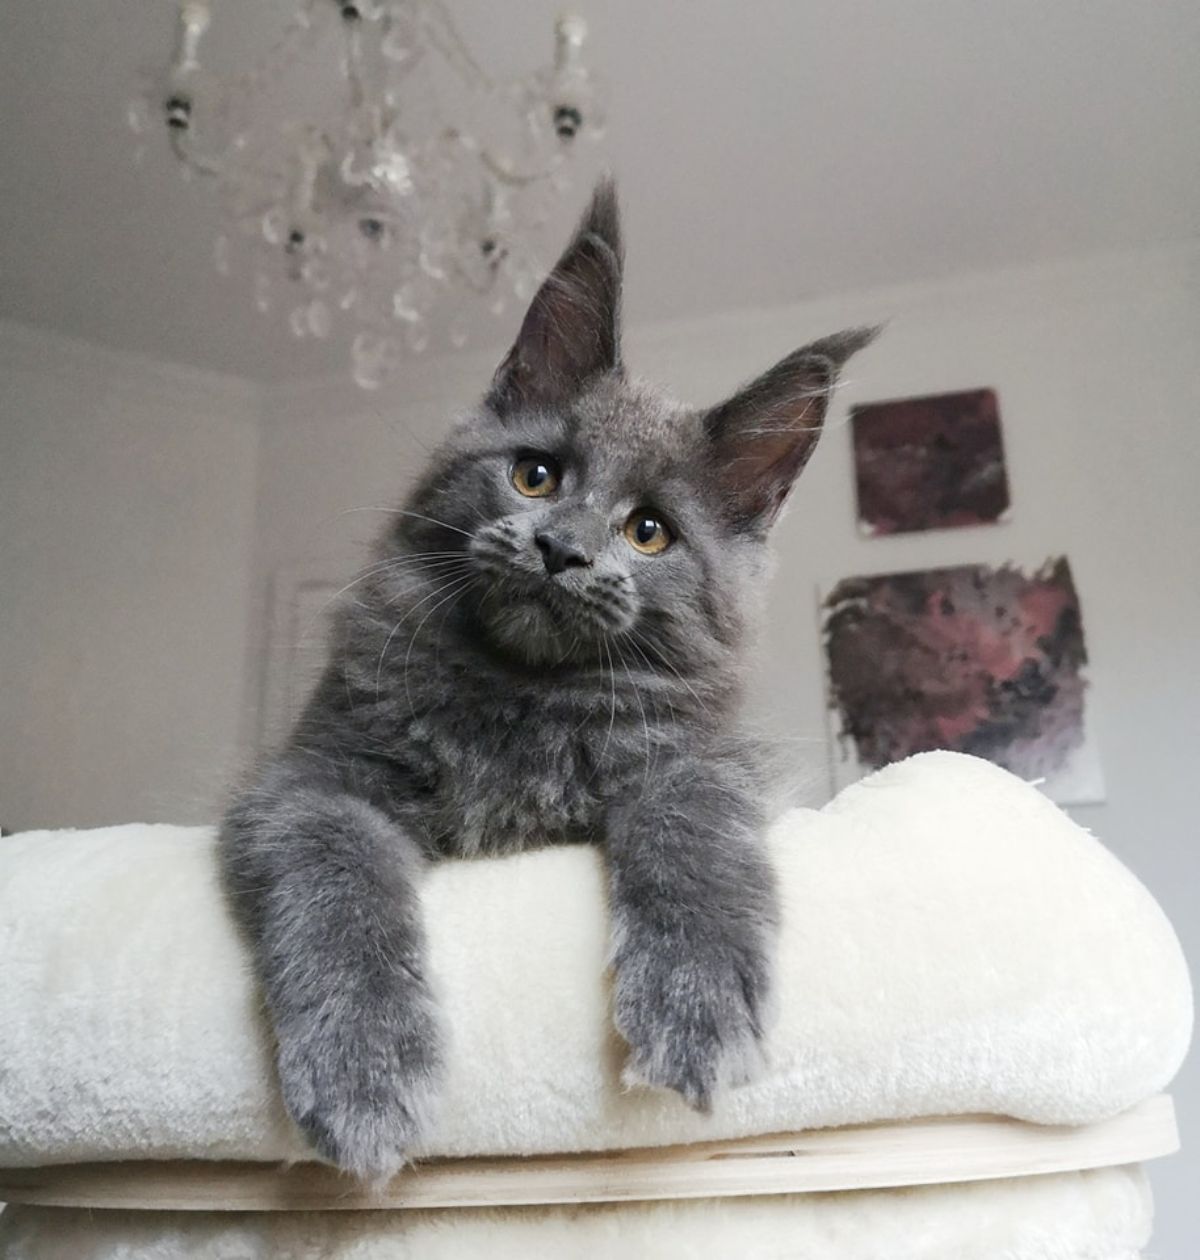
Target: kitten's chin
x=527 y=630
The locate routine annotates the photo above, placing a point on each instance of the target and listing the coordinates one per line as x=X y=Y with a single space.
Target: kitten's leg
x=694 y=925
x=324 y=885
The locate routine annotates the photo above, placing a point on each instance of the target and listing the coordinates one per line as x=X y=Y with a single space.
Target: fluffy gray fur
x=480 y=700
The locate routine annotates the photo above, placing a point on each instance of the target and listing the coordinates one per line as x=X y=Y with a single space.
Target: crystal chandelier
x=420 y=187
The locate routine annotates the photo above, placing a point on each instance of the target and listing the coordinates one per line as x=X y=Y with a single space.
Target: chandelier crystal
x=419 y=188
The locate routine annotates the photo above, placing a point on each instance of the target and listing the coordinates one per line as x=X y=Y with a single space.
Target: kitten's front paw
x=361 y=1084
x=693 y=1017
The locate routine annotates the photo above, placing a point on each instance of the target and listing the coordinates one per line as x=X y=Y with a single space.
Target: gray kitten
x=550 y=648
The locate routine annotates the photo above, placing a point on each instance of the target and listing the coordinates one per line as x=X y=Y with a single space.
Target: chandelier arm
x=450 y=43
x=517 y=179
x=208 y=167
x=354 y=81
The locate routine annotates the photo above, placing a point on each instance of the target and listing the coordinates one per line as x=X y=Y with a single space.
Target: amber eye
x=647 y=534
x=536 y=476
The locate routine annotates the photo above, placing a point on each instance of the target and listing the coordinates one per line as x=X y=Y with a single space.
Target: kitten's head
x=593 y=510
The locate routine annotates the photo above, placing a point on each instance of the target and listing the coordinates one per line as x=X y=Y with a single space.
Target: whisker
x=654 y=696
x=438 y=571
x=632 y=634
x=395 y=629
x=433 y=520
x=612 y=718
x=458 y=591
x=641 y=709
x=390 y=511
x=372 y=570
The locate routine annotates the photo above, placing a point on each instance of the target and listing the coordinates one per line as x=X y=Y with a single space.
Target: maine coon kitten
x=549 y=649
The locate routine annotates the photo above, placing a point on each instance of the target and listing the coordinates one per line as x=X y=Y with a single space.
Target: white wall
x=1095 y=365
x=126 y=525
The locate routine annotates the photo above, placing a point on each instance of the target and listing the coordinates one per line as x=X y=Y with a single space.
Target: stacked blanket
x=1101 y=1215
x=952 y=943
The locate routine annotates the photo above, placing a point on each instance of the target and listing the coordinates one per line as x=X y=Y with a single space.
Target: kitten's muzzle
x=560 y=553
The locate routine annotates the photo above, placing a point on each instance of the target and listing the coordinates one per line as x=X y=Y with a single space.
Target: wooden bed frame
x=911 y=1153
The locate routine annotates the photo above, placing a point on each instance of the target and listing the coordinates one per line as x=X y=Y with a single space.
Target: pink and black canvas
x=929 y=463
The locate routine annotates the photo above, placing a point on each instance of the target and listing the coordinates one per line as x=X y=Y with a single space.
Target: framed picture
x=929 y=463
x=989 y=661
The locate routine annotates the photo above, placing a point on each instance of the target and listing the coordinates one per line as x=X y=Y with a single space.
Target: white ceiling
x=766 y=152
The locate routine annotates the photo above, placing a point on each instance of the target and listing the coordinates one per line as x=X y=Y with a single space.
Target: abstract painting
x=989 y=661
x=929 y=463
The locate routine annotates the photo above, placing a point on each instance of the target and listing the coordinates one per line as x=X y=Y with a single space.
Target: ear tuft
x=603 y=218
x=838 y=347
x=761 y=438
x=571 y=331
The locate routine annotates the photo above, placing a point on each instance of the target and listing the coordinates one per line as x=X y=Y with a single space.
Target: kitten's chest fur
x=506 y=775
x=476 y=760
x=477 y=754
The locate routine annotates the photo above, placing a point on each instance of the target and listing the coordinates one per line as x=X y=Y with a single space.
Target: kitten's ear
x=761 y=438
x=572 y=330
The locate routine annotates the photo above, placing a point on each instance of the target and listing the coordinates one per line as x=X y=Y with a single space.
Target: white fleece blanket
x=1100 y=1215
x=952 y=943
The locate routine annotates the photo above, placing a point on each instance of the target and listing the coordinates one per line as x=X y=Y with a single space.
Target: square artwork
x=929 y=463
x=974 y=659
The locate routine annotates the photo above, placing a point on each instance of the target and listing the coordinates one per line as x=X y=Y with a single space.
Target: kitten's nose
x=558 y=554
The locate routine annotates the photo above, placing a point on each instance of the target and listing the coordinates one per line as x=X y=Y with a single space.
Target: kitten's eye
x=536 y=476
x=647 y=534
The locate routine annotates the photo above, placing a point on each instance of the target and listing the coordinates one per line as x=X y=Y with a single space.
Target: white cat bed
x=952 y=944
